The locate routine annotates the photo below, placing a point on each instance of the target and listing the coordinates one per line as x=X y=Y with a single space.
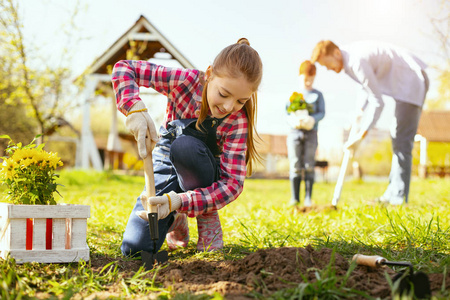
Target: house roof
x=147 y=41
x=434 y=125
x=274 y=144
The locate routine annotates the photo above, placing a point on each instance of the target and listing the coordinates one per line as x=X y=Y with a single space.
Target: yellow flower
x=27 y=162
x=18 y=155
x=39 y=156
x=53 y=160
x=293 y=96
x=8 y=168
x=296 y=97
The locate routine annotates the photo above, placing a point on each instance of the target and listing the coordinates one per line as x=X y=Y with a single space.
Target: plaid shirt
x=183 y=88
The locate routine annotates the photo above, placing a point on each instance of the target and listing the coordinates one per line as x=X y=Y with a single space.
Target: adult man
x=383 y=69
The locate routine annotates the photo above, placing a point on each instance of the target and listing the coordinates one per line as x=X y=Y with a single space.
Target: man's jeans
x=403 y=130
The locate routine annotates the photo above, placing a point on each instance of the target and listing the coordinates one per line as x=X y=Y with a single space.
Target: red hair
x=323 y=48
x=307 y=68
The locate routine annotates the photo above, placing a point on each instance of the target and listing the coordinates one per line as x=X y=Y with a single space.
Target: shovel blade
x=149 y=259
x=419 y=281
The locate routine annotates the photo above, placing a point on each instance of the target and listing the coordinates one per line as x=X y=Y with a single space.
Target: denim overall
x=302 y=146
x=183 y=159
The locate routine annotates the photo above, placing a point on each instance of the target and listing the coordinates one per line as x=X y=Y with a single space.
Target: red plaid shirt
x=183 y=88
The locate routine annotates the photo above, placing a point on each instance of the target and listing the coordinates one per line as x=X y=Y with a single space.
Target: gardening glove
x=166 y=204
x=354 y=140
x=308 y=123
x=139 y=122
x=296 y=120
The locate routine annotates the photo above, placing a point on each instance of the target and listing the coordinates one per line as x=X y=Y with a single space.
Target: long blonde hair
x=237 y=60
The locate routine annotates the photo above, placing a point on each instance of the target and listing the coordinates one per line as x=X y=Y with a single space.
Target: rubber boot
x=309 y=182
x=295 y=190
x=210 y=236
x=178 y=234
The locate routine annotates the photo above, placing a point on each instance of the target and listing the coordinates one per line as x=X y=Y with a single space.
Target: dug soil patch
x=270 y=270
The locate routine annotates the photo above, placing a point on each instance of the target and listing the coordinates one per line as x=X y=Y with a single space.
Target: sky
x=284 y=32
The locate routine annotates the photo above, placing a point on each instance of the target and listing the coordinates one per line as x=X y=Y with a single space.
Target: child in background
x=302 y=139
x=206 y=145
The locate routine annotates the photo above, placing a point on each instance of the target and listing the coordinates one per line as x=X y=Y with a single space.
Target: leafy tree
x=30 y=83
x=441 y=30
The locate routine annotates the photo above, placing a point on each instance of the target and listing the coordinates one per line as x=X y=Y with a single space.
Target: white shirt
x=384 y=69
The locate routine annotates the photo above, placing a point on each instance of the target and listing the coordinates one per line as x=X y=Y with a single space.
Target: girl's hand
x=139 y=122
x=166 y=204
x=308 y=123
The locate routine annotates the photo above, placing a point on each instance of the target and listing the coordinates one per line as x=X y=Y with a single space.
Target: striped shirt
x=183 y=89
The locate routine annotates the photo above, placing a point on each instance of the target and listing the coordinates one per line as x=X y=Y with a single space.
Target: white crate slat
x=39 y=230
x=4 y=233
x=46 y=211
x=59 y=235
x=79 y=228
x=69 y=227
x=17 y=234
x=68 y=244
x=50 y=256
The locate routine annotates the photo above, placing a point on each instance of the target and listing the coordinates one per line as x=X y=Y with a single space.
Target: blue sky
x=284 y=33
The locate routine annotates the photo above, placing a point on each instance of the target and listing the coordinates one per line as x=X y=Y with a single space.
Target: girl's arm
x=319 y=114
x=129 y=75
x=232 y=169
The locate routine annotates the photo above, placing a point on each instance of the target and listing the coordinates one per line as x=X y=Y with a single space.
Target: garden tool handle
x=149 y=180
x=150 y=192
x=374 y=261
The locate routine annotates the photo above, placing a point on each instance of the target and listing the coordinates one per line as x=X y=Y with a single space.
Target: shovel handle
x=374 y=261
x=150 y=180
x=150 y=192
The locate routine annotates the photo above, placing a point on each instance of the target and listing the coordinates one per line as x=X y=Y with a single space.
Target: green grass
x=259 y=218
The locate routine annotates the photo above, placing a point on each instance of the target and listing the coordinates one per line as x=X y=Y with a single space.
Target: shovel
x=340 y=180
x=149 y=259
x=341 y=177
x=419 y=281
x=348 y=154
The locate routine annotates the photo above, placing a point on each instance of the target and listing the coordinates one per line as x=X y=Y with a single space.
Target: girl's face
x=227 y=94
x=307 y=80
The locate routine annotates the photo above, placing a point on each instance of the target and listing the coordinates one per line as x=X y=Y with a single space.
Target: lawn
x=258 y=225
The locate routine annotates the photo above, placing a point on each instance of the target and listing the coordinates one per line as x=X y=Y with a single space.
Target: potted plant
x=298 y=111
x=33 y=227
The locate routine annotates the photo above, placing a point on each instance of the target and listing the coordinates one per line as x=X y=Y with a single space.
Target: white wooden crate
x=28 y=236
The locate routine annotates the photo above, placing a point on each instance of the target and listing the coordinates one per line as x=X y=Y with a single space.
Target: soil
x=267 y=271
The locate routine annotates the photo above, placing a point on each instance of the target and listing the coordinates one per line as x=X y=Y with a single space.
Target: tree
x=441 y=30
x=30 y=83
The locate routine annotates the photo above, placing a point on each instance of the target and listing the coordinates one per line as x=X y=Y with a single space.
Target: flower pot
x=44 y=233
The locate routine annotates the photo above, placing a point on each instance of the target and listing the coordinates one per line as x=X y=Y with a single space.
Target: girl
x=302 y=139
x=205 y=148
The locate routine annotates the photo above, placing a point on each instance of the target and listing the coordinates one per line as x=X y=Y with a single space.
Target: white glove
x=165 y=206
x=297 y=118
x=308 y=123
x=354 y=140
x=293 y=120
x=138 y=123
